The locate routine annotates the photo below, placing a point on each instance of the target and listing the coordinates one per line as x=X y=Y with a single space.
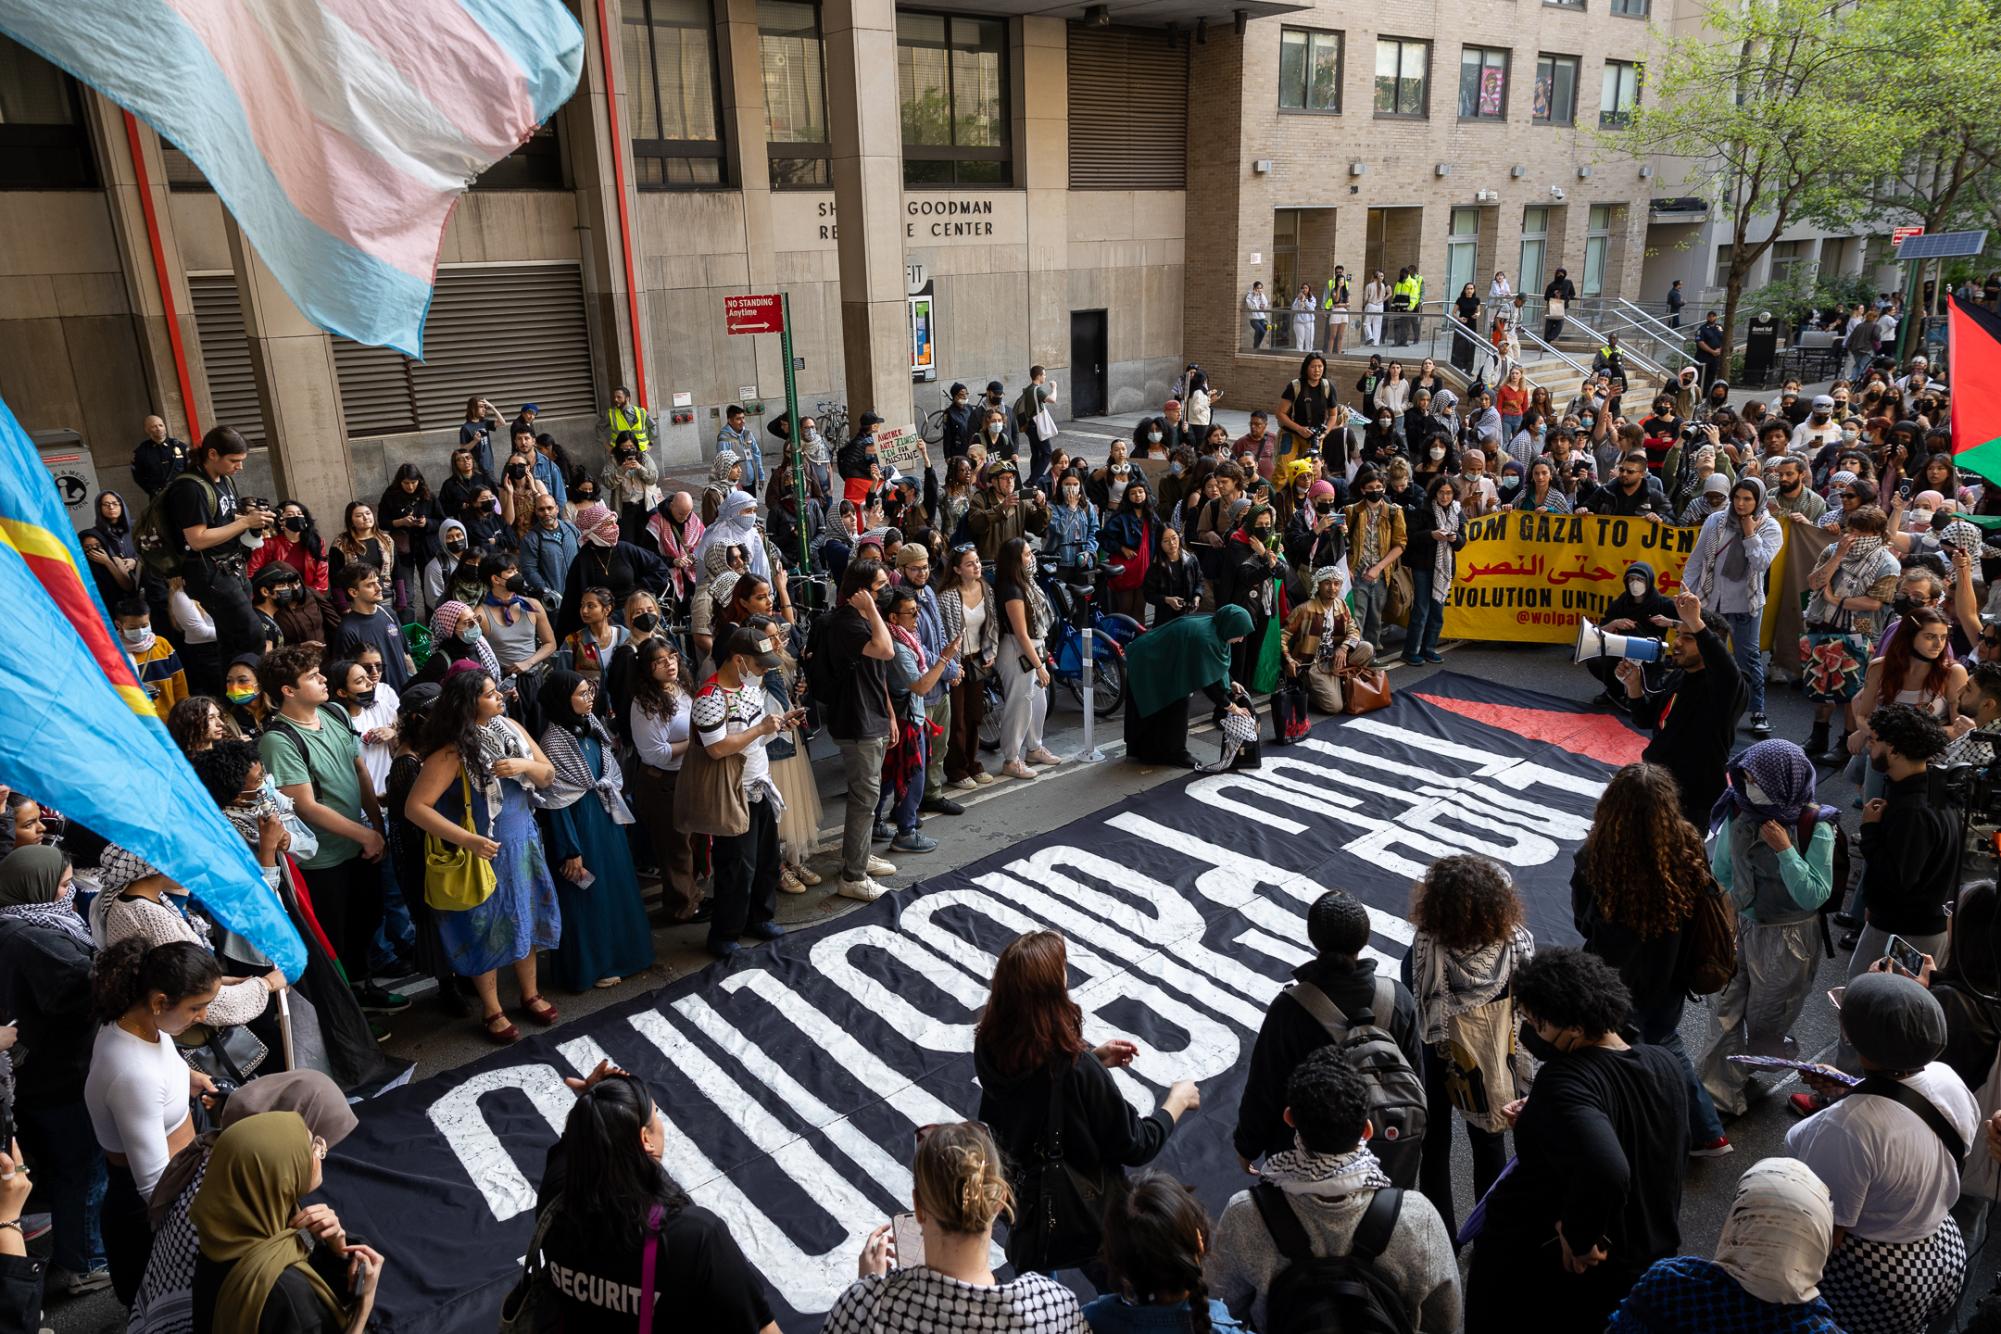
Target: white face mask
x=139 y=638
x=1069 y=490
x=1755 y=794
x=993 y=428
x=811 y=437
x=1437 y=451
x=1921 y=518
x=1637 y=587
x=1153 y=437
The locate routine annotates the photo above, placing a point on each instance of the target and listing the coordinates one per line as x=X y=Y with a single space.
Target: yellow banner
x=1528 y=578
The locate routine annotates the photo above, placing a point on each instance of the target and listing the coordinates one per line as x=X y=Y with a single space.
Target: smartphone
x=909 y=1239
x=1904 y=955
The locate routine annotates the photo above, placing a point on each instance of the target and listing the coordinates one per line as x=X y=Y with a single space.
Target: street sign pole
x=793 y=433
x=1912 y=315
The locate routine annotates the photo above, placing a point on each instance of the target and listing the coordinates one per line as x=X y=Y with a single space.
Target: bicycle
x=933 y=429
x=833 y=422
x=1072 y=607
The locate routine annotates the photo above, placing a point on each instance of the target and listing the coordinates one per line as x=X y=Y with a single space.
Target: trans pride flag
x=78 y=731
x=340 y=133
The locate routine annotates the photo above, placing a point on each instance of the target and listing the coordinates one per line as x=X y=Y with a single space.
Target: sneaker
x=879 y=866
x=1042 y=755
x=942 y=806
x=764 y=930
x=805 y=874
x=864 y=889
x=607 y=983
x=884 y=831
x=1433 y=658
x=1804 y=1104
x=1016 y=769
x=983 y=778
x=967 y=784
x=789 y=883
x=914 y=841
x=1761 y=726
x=378 y=1030
x=373 y=999
x=1716 y=1148
x=75 y=1285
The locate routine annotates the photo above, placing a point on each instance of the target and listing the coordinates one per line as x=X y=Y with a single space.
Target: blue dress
x=605 y=931
x=520 y=916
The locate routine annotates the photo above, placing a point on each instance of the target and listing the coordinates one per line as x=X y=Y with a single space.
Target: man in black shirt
x=159 y=459
x=1909 y=841
x=850 y=679
x=369 y=624
x=1709 y=349
x=202 y=512
x=1338 y=927
x=1632 y=493
x=1694 y=711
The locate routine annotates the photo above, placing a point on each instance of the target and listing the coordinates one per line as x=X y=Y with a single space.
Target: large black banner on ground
x=792 y=1079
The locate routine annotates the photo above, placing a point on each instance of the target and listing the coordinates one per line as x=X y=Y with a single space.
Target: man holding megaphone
x=1641 y=609
x=1694 y=711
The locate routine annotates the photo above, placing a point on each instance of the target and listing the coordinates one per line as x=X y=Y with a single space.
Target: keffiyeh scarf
x=55 y=916
x=1349 y=1172
x=573 y=771
x=1446 y=983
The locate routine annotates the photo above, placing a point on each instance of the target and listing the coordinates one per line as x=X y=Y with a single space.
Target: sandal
x=539 y=1010
x=500 y=1037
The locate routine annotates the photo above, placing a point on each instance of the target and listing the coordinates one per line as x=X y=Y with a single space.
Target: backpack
x=1396 y=1092
x=1483 y=1065
x=277 y=724
x=1331 y=1294
x=1709 y=943
x=1059 y=1216
x=1838 y=884
x=160 y=548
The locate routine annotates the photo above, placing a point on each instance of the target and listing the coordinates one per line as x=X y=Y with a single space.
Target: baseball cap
x=751 y=644
x=530 y=407
x=996 y=387
x=869 y=419
x=1823 y=402
x=277 y=572
x=1892 y=1022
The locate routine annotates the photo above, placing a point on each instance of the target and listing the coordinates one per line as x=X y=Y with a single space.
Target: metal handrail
x=1530 y=339
x=1640 y=317
x=1633 y=358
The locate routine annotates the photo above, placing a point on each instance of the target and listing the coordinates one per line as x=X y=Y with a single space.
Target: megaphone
x=1593 y=643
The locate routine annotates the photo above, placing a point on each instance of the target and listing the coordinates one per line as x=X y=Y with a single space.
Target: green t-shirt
x=331 y=751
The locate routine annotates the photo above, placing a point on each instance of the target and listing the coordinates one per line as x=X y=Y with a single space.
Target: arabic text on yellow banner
x=1529 y=577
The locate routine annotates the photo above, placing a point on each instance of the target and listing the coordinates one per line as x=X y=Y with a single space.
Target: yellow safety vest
x=635 y=424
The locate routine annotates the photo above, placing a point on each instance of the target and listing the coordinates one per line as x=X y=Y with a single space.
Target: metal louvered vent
x=1128 y=109
x=225 y=355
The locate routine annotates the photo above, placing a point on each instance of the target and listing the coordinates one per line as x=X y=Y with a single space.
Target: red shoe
x=502 y=1035
x=539 y=1010
x=1805 y=1104
x=1715 y=1148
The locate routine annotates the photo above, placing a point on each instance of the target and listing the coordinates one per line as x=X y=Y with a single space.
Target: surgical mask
x=1437 y=452
x=243 y=696
x=470 y=633
x=1175 y=467
x=993 y=428
x=1756 y=795
x=1153 y=437
x=366 y=699
x=1384 y=422
x=1921 y=517
x=1069 y=490
x=1510 y=483
x=139 y=637
x=1586 y=420
x=645 y=622
x=1636 y=587
x=293 y=595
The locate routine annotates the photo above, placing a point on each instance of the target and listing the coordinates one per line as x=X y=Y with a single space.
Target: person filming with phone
x=1908 y=839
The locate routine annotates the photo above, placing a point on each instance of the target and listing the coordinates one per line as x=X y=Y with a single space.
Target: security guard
x=625 y=415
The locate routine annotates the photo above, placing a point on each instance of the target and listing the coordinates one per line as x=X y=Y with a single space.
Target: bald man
x=159 y=458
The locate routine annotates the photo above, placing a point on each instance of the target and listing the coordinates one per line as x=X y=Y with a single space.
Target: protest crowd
x=495 y=726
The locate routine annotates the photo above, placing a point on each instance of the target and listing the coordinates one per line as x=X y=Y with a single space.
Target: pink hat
x=1320 y=489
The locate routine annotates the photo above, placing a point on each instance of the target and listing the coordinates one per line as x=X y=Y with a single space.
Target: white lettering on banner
x=830 y=957
x=807 y=1282
x=462 y=1123
x=1516 y=774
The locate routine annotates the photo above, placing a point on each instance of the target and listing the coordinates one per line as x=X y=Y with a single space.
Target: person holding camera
x=1307 y=410
x=209 y=523
x=630 y=486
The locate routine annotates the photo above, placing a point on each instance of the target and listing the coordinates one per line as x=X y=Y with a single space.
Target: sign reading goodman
x=999 y=218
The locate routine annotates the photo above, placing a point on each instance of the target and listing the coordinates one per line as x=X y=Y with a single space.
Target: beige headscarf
x=1777 y=1236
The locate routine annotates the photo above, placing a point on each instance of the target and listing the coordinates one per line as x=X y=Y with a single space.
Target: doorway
x=1088 y=344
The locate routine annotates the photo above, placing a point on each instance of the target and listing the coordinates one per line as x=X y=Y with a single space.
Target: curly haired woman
x=1637 y=880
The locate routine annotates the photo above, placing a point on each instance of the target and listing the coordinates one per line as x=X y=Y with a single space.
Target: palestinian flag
x=1974 y=372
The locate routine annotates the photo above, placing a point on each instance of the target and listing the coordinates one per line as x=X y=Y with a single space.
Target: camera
x=254 y=503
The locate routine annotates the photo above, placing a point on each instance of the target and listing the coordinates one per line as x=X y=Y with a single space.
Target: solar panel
x=1941 y=245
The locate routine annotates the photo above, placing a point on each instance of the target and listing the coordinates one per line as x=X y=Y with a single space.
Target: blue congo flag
x=78 y=730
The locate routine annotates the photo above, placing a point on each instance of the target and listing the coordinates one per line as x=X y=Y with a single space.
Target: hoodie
x=1727 y=569
x=1640 y=610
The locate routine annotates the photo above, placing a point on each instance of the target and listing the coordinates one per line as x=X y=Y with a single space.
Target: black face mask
x=295 y=524
x=365 y=700
x=455 y=547
x=1536 y=1045
x=293 y=596
x=517 y=582
x=1373 y=497
x=645 y=622
x=1261 y=534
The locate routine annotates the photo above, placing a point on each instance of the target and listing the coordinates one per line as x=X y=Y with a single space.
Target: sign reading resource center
x=995 y=218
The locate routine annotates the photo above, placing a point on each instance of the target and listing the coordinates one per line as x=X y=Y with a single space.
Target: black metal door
x=1087 y=363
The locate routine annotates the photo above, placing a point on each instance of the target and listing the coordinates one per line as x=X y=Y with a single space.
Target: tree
x=1761 y=102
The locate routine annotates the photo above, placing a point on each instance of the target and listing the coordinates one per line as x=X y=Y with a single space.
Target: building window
x=1630 y=9
x=792 y=61
x=1792 y=259
x=1462 y=247
x=1535 y=242
x=1402 y=71
x=1597 y=241
x=1309 y=70
x=951 y=74
x=1563 y=4
x=1555 y=90
x=673 y=98
x=1723 y=260
x=43 y=142
x=1483 y=83
x=535 y=165
x=1621 y=93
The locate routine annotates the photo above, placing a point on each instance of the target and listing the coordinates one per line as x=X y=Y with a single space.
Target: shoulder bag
x=1365 y=689
x=1057 y=1225
x=456 y=879
x=530 y=1306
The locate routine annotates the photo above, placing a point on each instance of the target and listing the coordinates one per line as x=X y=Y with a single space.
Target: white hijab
x=736 y=526
x=1776 y=1239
